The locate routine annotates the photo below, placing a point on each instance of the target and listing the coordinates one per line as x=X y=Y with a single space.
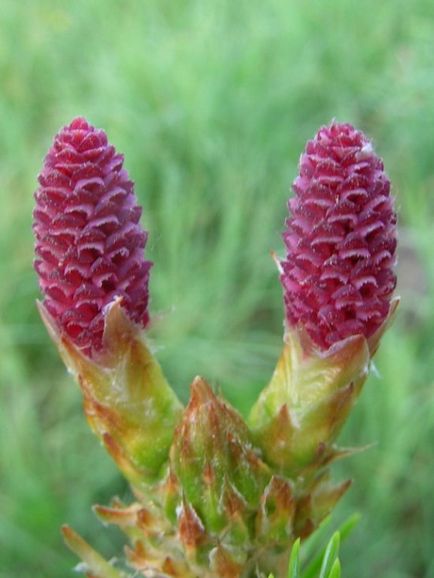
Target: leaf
x=335 y=572
x=348 y=526
x=330 y=555
x=307 y=401
x=294 y=562
x=93 y=563
x=344 y=531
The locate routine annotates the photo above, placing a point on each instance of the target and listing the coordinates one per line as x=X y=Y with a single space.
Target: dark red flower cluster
x=338 y=274
x=89 y=243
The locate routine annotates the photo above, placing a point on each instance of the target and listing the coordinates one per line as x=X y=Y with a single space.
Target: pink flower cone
x=89 y=243
x=338 y=274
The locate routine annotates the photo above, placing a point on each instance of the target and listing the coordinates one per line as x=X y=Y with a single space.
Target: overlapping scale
x=338 y=275
x=89 y=243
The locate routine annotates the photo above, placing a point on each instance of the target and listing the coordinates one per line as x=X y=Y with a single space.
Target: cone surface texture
x=338 y=274
x=89 y=243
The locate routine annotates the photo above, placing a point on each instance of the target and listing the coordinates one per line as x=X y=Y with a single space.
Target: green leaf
x=344 y=531
x=335 y=572
x=330 y=555
x=92 y=562
x=294 y=562
x=348 y=526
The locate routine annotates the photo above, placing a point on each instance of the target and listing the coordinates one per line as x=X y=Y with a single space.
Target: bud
x=89 y=243
x=338 y=274
x=94 y=278
x=222 y=480
x=338 y=281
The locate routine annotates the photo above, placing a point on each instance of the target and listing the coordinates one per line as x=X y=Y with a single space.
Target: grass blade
x=330 y=555
x=344 y=531
x=294 y=562
x=335 y=572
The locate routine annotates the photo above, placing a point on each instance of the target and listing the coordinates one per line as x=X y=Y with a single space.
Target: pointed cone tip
x=67 y=531
x=119 y=330
x=201 y=392
x=74 y=541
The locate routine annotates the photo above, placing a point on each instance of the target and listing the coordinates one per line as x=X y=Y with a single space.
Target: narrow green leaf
x=335 y=572
x=294 y=562
x=330 y=555
x=348 y=526
x=92 y=562
x=344 y=530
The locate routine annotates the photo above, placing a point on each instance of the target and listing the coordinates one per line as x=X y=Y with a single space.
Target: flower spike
x=337 y=275
x=338 y=282
x=89 y=247
x=89 y=243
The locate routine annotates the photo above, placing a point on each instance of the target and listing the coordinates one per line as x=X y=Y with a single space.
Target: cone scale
x=216 y=496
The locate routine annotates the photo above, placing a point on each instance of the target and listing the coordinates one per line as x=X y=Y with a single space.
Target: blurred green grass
x=212 y=103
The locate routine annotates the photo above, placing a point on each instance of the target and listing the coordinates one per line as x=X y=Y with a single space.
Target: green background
x=212 y=102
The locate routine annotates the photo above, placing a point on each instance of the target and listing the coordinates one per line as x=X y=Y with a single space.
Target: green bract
x=215 y=496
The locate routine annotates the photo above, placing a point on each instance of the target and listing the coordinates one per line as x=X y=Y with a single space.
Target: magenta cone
x=338 y=274
x=89 y=243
